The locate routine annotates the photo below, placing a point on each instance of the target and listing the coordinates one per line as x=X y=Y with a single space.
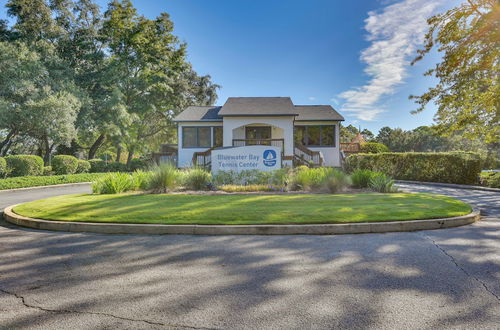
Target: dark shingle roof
x=198 y=113
x=317 y=112
x=258 y=106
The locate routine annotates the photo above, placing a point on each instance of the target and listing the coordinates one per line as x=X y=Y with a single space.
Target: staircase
x=305 y=156
x=203 y=158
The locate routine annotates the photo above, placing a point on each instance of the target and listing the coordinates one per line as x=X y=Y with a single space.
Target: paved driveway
x=429 y=279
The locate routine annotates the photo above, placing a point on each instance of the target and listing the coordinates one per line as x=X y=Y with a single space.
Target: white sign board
x=237 y=159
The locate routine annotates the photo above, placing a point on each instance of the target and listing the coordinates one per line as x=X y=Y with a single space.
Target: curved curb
x=307 y=229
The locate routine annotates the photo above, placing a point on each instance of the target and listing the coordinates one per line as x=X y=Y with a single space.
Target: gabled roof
x=317 y=112
x=199 y=113
x=258 y=106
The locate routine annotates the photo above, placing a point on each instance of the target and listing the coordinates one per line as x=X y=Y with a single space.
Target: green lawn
x=243 y=209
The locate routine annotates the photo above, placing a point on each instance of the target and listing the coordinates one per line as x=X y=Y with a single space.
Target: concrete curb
x=306 y=229
x=43 y=187
x=450 y=185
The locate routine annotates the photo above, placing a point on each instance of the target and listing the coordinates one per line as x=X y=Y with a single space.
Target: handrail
x=350 y=147
x=205 y=155
x=316 y=157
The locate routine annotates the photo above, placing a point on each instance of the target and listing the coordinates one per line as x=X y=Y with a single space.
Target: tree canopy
x=468 y=88
x=72 y=75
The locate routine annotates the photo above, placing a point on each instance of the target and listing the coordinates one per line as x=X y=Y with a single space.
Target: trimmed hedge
x=446 y=167
x=47 y=170
x=490 y=179
x=83 y=166
x=64 y=164
x=23 y=165
x=137 y=164
x=3 y=167
x=35 y=181
x=373 y=148
x=97 y=165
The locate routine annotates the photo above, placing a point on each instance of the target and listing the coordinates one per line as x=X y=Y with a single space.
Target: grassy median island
x=241 y=209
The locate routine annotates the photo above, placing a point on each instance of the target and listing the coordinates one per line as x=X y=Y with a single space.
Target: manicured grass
x=36 y=181
x=243 y=209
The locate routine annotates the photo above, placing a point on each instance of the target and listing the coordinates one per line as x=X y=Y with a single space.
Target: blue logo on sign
x=269 y=158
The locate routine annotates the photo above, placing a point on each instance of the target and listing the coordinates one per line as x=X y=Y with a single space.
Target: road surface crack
x=67 y=311
x=461 y=268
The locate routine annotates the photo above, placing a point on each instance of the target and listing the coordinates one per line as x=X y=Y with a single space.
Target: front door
x=257 y=135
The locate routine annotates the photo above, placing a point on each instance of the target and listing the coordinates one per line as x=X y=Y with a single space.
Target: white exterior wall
x=331 y=155
x=282 y=128
x=185 y=155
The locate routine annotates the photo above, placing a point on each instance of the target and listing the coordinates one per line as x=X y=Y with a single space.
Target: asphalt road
x=420 y=280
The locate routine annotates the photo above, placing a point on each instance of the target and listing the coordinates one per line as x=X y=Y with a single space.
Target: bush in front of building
x=196 y=179
x=373 y=148
x=24 y=165
x=446 y=167
x=64 y=164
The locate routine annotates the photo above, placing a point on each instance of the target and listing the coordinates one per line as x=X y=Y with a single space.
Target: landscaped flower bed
x=167 y=178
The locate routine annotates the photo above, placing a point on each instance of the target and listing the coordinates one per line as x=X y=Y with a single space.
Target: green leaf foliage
x=3 y=167
x=373 y=148
x=36 y=181
x=24 y=165
x=64 y=164
x=447 y=167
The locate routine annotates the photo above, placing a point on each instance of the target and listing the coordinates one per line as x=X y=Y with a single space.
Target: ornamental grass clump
x=382 y=183
x=113 y=183
x=164 y=177
x=361 y=178
x=197 y=179
x=140 y=180
x=337 y=181
x=305 y=178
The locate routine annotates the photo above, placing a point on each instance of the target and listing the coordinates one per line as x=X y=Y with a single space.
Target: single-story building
x=306 y=134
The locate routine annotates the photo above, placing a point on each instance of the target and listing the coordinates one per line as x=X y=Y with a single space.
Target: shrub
x=247 y=188
x=337 y=181
x=374 y=148
x=116 y=167
x=113 y=183
x=225 y=178
x=98 y=166
x=306 y=178
x=490 y=179
x=107 y=156
x=83 y=166
x=3 y=168
x=382 y=183
x=196 y=179
x=24 y=165
x=361 y=178
x=140 y=180
x=251 y=177
x=64 y=164
x=447 y=167
x=47 y=170
x=164 y=178
x=137 y=164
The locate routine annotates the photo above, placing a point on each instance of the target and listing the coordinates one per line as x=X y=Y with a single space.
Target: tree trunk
x=5 y=144
x=46 y=152
x=118 y=152
x=97 y=144
x=130 y=155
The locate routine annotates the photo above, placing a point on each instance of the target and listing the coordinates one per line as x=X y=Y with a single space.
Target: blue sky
x=353 y=55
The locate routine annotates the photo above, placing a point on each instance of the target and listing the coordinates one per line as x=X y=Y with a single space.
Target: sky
x=354 y=55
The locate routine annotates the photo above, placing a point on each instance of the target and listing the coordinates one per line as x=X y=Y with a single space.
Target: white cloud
x=311 y=98
x=395 y=33
x=334 y=101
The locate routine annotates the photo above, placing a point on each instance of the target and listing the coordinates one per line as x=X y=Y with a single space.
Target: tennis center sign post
x=237 y=159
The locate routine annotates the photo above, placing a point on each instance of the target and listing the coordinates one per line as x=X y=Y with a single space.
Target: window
x=201 y=136
x=196 y=137
x=318 y=136
x=257 y=132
